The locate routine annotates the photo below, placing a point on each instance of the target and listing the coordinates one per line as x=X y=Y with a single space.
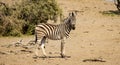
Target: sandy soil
x=96 y=40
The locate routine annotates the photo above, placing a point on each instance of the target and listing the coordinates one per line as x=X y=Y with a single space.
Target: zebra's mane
x=66 y=20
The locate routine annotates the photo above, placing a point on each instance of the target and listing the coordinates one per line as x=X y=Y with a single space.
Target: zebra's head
x=72 y=20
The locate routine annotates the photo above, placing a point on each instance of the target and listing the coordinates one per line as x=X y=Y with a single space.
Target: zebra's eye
x=73 y=21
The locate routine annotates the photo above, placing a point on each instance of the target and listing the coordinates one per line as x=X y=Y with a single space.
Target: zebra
x=60 y=31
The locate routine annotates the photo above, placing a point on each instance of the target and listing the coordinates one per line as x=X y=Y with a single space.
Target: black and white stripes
x=55 y=32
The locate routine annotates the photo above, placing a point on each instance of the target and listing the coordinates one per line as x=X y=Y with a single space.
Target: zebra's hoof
x=62 y=55
x=44 y=56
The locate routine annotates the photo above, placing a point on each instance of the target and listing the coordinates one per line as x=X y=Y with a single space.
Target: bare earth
x=96 y=40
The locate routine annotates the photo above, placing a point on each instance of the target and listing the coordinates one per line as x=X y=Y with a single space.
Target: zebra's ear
x=70 y=14
x=73 y=14
x=76 y=12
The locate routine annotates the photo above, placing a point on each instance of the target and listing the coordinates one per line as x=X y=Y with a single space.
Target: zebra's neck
x=67 y=25
x=67 y=28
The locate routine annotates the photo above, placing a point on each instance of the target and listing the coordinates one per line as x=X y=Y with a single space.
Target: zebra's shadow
x=43 y=57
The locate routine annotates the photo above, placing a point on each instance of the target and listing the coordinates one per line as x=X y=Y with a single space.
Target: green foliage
x=10 y=26
x=37 y=11
x=21 y=18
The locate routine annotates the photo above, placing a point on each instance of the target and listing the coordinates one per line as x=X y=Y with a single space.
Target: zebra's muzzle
x=73 y=27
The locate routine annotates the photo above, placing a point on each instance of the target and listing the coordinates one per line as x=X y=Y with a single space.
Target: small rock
x=86 y=32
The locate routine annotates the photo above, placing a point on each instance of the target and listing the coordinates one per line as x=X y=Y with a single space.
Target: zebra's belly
x=55 y=37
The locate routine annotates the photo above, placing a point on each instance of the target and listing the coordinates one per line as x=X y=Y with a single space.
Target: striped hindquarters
x=42 y=30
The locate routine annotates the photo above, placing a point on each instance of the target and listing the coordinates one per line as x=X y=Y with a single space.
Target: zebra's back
x=54 y=32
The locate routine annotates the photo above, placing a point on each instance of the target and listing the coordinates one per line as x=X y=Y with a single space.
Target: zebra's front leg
x=42 y=45
x=62 y=48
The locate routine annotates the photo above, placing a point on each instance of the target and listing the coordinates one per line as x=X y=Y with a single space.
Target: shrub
x=21 y=18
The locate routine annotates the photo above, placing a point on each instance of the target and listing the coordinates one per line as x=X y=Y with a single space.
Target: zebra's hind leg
x=36 y=50
x=62 y=48
x=42 y=45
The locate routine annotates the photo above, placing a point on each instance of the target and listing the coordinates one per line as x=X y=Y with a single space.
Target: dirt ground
x=96 y=40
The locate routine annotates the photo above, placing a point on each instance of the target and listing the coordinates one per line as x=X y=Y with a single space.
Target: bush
x=37 y=11
x=21 y=18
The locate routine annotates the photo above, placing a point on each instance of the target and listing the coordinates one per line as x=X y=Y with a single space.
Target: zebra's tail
x=35 y=38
